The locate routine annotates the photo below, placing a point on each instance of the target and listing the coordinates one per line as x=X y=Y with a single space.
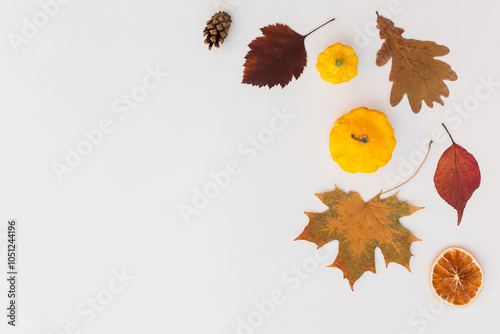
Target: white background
x=119 y=209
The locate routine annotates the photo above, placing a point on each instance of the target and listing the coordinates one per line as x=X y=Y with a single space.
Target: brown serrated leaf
x=360 y=227
x=414 y=70
x=277 y=57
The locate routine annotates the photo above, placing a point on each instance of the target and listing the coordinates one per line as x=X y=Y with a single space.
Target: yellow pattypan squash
x=338 y=63
x=362 y=141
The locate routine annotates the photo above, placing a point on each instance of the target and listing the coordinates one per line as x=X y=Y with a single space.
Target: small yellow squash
x=338 y=63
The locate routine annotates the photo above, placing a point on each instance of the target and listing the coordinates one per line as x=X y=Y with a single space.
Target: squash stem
x=363 y=138
x=428 y=150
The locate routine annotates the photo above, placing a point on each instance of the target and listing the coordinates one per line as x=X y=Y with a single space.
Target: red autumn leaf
x=277 y=57
x=457 y=176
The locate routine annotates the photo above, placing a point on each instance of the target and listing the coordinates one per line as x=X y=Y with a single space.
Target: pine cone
x=216 y=29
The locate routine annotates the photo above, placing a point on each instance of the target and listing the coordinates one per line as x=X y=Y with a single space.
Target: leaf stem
x=425 y=158
x=448 y=133
x=321 y=26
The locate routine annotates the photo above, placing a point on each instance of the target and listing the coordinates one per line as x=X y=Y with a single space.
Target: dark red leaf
x=457 y=177
x=275 y=58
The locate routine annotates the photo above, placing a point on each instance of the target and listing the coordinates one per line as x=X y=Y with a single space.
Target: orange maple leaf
x=414 y=70
x=360 y=227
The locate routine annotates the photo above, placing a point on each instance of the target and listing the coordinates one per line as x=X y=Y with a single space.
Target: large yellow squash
x=362 y=141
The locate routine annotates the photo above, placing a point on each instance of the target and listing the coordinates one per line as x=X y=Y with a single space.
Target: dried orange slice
x=456 y=277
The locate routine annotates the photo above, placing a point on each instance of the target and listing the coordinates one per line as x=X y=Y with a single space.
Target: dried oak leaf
x=457 y=177
x=360 y=227
x=414 y=70
x=277 y=57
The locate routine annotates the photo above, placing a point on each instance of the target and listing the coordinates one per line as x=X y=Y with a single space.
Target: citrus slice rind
x=456 y=277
